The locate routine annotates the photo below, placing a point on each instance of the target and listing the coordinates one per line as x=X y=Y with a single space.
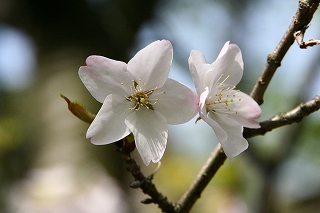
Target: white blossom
x=224 y=108
x=138 y=97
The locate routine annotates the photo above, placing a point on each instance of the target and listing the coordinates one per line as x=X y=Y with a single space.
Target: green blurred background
x=48 y=166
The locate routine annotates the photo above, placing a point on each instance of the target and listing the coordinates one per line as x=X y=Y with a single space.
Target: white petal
x=234 y=144
x=198 y=68
x=150 y=132
x=103 y=76
x=220 y=133
x=229 y=64
x=176 y=102
x=224 y=49
x=203 y=98
x=152 y=64
x=247 y=110
x=109 y=125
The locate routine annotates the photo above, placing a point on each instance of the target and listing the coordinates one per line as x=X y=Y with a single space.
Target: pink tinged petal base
x=109 y=125
x=152 y=64
x=176 y=102
x=234 y=144
x=103 y=76
x=150 y=131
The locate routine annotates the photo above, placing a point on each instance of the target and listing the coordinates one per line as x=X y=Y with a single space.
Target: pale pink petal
x=198 y=68
x=103 y=76
x=176 y=102
x=229 y=64
x=234 y=144
x=152 y=64
x=247 y=110
x=109 y=125
x=150 y=132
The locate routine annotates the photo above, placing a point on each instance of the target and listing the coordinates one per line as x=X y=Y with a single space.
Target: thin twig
x=146 y=185
x=301 y=19
x=293 y=116
x=299 y=35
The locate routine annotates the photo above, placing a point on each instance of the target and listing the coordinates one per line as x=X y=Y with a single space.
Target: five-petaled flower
x=225 y=109
x=138 y=97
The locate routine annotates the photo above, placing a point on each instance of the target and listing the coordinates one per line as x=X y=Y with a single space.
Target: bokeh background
x=47 y=165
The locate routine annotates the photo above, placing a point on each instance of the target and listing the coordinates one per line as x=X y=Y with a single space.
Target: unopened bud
x=79 y=110
x=147 y=201
x=135 y=184
x=129 y=144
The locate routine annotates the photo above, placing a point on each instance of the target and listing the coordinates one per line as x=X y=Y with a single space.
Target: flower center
x=221 y=101
x=140 y=96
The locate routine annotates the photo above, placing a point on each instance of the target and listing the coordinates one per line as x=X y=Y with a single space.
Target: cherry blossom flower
x=138 y=98
x=225 y=109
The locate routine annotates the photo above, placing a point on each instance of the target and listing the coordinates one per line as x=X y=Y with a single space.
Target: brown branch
x=214 y=162
x=282 y=119
x=146 y=185
x=299 y=35
x=301 y=19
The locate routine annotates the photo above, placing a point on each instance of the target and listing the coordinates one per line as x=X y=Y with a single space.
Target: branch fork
x=299 y=35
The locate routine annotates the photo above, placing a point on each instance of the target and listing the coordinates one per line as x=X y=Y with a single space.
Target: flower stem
x=146 y=185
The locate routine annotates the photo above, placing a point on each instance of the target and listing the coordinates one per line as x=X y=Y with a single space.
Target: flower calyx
x=140 y=96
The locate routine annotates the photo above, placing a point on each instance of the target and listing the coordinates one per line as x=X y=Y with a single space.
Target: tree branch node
x=299 y=35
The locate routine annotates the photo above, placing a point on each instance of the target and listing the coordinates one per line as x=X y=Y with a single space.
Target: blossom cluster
x=138 y=97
